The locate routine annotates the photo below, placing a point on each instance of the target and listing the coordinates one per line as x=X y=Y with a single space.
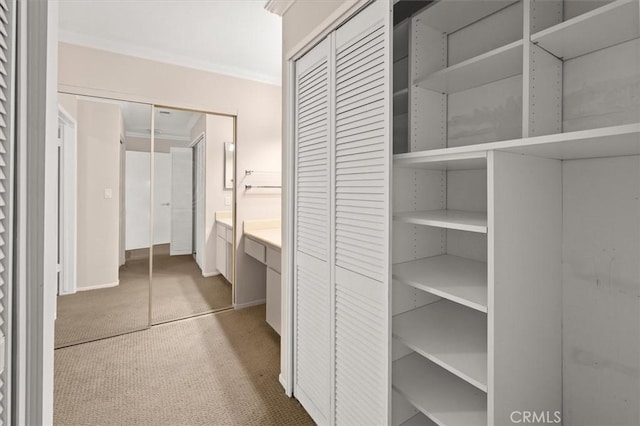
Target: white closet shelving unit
x=505 y=276
x=508 y=102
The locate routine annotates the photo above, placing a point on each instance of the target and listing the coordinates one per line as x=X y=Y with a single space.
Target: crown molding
x=278 y=7
x=128 y=49
x=166 y=137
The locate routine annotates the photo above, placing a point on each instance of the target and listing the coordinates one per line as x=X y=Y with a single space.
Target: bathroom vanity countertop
x=269 y=236
x=225 y=221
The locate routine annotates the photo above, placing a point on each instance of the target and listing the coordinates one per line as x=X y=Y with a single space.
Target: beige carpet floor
x=94 y=314
x=179 y=290
x=219 y=369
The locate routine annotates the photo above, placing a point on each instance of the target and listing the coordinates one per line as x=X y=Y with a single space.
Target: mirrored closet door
x=104 y=220
x=193 y=169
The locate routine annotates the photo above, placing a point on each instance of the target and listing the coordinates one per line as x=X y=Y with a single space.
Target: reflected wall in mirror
x=104 y=223
x=188 y=276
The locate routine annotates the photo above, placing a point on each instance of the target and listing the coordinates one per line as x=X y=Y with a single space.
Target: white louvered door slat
x=7 y=31
x=312 y=339
x=362 y=217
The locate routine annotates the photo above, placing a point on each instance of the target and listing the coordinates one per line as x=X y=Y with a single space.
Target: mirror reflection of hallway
x=188 y=191
x=103 y=221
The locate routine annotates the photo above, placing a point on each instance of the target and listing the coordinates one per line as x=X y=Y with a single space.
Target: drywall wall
x=98 y=217
x=258 y=128
x=135 y=143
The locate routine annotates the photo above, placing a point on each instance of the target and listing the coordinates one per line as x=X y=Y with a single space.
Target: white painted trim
x=210 y=274
x=278 y=7
x=197 y=140
x=168 y=137
x=283 y=383
x=99 y=286
x=158 y=55
x=69 y=166
x=249 y=304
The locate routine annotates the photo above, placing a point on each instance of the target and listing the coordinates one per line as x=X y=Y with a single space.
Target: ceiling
x=233 y=37
x=171 y=124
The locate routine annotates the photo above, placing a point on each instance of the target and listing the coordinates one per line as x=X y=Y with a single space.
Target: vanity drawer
x=255 y=250
x=273 y=259
x=220 y=230
x=229 y=235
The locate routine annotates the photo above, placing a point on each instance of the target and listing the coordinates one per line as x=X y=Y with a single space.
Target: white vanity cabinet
x=262 y=242
x=224 y=245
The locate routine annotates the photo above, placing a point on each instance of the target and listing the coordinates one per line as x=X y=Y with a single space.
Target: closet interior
x=516 y=179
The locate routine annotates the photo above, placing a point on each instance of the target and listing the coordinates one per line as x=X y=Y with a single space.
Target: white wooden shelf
x=419 y=420
x=461 y=280
x=450 y=15
x=603 y=27
x=498 y=64
x=441 y=396
x=450 y=335
x=615 y=141
x=469 y=161
x=449 y=219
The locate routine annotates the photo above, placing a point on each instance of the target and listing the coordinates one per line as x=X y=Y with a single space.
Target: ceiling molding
x=279 y=7
x=165 y=137
x=129 y=49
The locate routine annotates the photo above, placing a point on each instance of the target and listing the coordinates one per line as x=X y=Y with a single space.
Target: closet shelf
x=418 y=420
x=418 y=160
x=449 y=219
x=400 y=93
x=450 y=335
x=438 y=394
x=615 y=141
x=603 y=27
x=498 y=64
x=461 y=280
x=451 y=15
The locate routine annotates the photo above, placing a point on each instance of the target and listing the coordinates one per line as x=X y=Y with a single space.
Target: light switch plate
x=227 y=200
x=108 y=193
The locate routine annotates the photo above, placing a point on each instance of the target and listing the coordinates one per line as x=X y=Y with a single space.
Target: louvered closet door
x=362 y=217
x=311 y=227
x=7 y=50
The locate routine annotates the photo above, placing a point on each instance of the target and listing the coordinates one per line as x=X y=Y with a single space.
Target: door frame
x=199 y=208
x=68 y=203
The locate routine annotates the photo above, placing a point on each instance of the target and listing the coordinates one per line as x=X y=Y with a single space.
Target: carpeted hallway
x=219 y=369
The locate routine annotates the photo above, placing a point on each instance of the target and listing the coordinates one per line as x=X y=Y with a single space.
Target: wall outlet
x=227 y=200
x=108 y=193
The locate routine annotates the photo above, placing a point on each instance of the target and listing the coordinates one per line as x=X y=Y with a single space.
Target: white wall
x=218 y=129
x=256 y=105
x=98 y=169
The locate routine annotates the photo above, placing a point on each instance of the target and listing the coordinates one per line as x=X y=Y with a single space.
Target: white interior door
x=312 y=277
x=181 y=201
x=137 y=199
x=162 y=198
x=362 y=206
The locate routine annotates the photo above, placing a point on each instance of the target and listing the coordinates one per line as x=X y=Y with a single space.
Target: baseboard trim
x=250 y=304
x=210 y=274
x=283 y=383
x=99 y=286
